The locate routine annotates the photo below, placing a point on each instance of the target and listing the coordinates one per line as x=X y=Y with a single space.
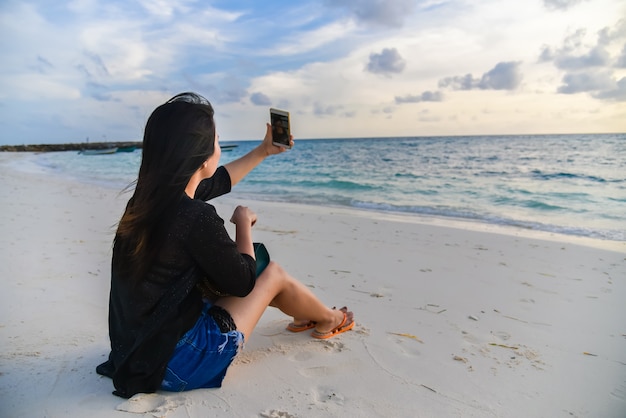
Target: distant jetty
x=70 y=147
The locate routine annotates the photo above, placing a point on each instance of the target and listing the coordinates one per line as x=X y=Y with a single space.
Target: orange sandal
x=301 y=327
x=341 y=328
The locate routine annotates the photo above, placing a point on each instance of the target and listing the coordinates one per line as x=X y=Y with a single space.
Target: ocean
x=567 y=184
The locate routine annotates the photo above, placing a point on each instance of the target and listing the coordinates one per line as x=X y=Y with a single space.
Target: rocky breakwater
x=69 y=146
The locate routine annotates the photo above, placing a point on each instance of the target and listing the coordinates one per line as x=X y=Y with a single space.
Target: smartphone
x=281 y=132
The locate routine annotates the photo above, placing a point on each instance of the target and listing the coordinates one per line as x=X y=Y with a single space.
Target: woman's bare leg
x=277 y=288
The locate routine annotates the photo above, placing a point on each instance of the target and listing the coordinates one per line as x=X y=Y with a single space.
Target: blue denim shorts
x=202 y=356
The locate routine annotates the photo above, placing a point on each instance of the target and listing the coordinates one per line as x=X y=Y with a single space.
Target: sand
x=454 y=319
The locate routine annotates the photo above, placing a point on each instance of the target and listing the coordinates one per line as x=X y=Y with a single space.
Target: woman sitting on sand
x=170 y=244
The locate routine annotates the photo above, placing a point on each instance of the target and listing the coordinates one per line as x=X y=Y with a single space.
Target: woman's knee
x=274 y=270
x=274 y=273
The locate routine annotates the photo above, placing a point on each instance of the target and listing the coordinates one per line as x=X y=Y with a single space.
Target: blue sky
x=343 y=68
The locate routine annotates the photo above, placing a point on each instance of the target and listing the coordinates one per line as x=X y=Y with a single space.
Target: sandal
x=341 y=328
x=293 y=327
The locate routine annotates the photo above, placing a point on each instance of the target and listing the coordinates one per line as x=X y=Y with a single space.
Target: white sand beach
x=453 y=319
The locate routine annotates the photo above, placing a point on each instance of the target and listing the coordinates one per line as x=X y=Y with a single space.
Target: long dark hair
x=179 y=137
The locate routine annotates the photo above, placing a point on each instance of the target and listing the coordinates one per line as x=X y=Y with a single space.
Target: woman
x=170 y=246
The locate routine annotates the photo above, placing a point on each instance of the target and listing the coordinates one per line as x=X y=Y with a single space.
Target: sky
x=96 y=69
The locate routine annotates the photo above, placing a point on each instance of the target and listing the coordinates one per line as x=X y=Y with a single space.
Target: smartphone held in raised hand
x=281 y=132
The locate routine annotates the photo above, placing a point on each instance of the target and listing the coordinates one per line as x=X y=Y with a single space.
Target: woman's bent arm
x=244 y=219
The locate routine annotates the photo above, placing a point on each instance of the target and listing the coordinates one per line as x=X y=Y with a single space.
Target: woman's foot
x=343 y=320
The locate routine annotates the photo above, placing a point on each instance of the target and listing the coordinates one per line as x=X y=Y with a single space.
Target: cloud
x=260 y=99
x=43 y=65
x=104 y=63
x=381 y=13
x=617 y=93
x=585 y=81
x=596 y=57
x=616 y=33
x=98 y=91
x=621 y=60
x=427 y=96
x=600 y=84
x=219 y=88
x=589 y=66
x=320 y=110
x=504 y=76
x=560 y=4
x=332 y=110
x=577 y=54
x=96 y=64
x=231 y=93
x=458 y=82
x=387 y=62
x=387 y=110
x=163 y=8
x=547 y=54
x=308 y=40
x=103 y=97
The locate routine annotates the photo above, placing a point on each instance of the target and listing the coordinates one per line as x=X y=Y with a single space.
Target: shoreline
x=403 y=217
x=431 y=220
x=450 y=321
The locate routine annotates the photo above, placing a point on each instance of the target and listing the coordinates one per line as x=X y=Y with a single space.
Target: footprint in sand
x=276 y=414
x=471 y=338
x=326 y=394
x=301 y=356
x=320 y=371
x=360 y=329
x=502 y=335
x=331 y=345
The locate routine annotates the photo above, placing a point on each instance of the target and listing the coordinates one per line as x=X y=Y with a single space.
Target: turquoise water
x=571 y=184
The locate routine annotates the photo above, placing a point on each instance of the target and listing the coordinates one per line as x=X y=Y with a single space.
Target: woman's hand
x=243 y=216
x=268 y=147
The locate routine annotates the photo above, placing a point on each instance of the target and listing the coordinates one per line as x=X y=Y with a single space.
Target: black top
x=147 y=317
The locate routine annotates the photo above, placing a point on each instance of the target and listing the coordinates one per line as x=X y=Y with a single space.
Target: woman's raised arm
x=240 y=167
